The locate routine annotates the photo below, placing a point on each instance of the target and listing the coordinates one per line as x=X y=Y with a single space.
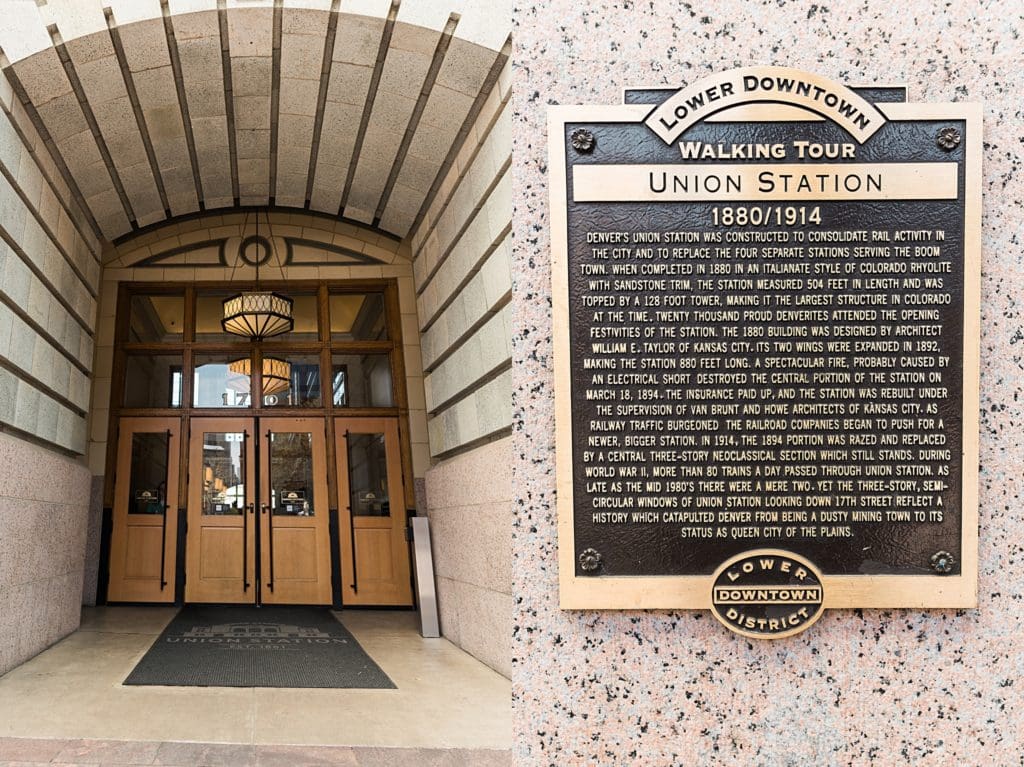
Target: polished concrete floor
x=445 y=699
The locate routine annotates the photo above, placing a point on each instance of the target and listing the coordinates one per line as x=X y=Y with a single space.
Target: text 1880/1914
x=765 y=215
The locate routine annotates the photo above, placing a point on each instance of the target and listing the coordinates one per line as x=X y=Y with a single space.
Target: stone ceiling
x=155 y=109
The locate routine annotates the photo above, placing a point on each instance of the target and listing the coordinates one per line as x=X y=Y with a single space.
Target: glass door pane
x=291 y=474
x=150 y=456
x=224 y=481
x=368 y=475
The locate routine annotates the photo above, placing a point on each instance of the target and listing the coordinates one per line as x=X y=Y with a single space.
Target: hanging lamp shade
x=276 y=373
x=257 y=314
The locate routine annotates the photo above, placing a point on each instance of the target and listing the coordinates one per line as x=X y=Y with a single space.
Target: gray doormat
x=247 y=646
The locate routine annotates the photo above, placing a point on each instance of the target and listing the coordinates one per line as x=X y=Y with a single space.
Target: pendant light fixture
x=257 y=314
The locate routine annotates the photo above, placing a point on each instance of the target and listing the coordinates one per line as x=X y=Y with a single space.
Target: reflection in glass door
x=144 y=536
x=221 y=541
x=374 y=551
x=295 y=549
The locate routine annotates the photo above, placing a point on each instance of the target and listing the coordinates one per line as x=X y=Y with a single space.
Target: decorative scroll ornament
x=276 y=373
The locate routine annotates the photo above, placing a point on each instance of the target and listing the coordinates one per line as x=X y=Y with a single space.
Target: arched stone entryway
x=131 y=129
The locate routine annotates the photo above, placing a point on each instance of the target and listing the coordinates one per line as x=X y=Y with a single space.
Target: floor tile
x=107 y=752
x=30 y=749
x=399 y=757
x=304 y=756
x=127 y=620
x=205 y=754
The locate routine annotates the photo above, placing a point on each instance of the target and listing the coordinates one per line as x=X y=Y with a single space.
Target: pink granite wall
x=44 y=502
x=861 y=687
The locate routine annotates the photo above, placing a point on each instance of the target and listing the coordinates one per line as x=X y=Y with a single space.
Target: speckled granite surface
x=871 y=687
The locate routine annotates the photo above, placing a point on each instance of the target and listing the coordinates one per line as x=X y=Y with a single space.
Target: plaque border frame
x=609 y=592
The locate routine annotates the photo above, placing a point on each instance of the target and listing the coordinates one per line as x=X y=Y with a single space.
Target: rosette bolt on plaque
x=583 y=140
x=942 y=562
x=590 y=561
x=948 y=138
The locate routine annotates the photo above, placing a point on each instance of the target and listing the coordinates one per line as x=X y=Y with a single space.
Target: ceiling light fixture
x=258 y=314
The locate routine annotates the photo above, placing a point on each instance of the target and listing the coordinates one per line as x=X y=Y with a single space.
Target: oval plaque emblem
x=767 y=594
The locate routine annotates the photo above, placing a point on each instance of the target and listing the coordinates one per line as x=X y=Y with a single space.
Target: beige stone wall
x=463 y=284
x=44 y=498
x=461 y=252
x=49 y=279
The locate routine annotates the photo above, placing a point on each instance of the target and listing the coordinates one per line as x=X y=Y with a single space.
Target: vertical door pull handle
x=352 y=538
x=163 y=520
x=270 y=543
x=245 y=546
x=163 y=547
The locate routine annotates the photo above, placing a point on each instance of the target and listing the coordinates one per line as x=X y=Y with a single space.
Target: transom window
x=344 y=352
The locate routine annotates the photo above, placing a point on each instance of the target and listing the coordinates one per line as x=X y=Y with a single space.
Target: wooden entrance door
x=145 y=516
x=221 y=541
x=295 y=551
x=374 y=550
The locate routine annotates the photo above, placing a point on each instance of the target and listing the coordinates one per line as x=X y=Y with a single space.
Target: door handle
x=245 y=546
x=270 y=543
x=250 y=508
x=163 y=547
x=352 y=538
x=163 y=517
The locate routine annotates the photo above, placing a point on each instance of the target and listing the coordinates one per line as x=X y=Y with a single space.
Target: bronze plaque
x=766 y=338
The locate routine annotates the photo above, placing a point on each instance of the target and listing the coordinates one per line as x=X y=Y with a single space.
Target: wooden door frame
x=126 y=428
x=193 y=504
